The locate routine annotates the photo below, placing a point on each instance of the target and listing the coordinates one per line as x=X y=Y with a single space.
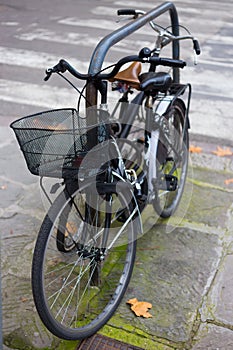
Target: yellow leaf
x=195 y=149
x=140 y=308
x=23 y=299
x=221 y=152
x=228 y=181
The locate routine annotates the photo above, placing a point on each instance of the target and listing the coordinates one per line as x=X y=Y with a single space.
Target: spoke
x=64 y=284
x=70 y=295
x=122 y=228
x=87 y=286
x=57 y=270
x=68 y=299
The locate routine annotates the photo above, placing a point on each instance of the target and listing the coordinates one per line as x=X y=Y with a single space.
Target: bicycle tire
x=165 y=201
x=98 y=285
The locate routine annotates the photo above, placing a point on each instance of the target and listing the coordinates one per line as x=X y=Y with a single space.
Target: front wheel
x=171 y=161
x=83 y=261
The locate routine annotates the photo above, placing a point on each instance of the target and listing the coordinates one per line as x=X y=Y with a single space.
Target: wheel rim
x=167 y=201
x=80 y=289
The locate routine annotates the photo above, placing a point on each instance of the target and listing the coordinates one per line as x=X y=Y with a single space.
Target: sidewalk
x=184 y=266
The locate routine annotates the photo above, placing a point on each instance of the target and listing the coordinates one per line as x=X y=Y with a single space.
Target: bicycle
x=86 y=246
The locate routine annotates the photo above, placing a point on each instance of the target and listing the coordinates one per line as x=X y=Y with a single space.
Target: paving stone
x=175 y=264
x=172 y=271
x=219 y=304
x=209 y=206
x=212 y=337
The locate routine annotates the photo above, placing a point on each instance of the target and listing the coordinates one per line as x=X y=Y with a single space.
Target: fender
x=150 y=158
x=159 y=109
x=162 y=106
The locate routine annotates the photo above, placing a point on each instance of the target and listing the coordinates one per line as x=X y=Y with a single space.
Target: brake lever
x=59 y=67
x=48 y=73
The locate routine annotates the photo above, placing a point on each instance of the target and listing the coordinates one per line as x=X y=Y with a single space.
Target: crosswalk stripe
x=37 y=95
x=103 y=24
x=54 y=97
x=141 y=5
x=34 y=59
x=83 y=39
x=45 y=96
x=39 y=60
x=65 y=38
x=91 y=23
x=217 y=62
x=220 y=40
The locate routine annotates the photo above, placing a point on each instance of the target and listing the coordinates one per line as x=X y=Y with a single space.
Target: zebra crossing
x=35 y=46
x=51 y=96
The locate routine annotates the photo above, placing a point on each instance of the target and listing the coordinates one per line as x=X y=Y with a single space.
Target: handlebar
x=165 y=37
x=63 y=65
x=128 y=12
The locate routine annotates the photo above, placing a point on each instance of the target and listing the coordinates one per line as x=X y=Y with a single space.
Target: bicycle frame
x=159 y=111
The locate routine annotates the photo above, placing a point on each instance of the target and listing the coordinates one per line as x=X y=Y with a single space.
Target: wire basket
x=55 y=142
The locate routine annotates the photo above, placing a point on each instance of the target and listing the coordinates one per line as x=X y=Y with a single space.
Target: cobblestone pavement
x=183 y=266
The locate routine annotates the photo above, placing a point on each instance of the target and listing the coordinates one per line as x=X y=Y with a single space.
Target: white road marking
x=219 y=63
x=221 y=40
x=34 y=59
x=91 y=23
x=37 y=95
x=103 y=24
x=65 y=38
x=149 y=6
x=9 y=24
x=141 y=5
x=43 y=60
x=81 y=39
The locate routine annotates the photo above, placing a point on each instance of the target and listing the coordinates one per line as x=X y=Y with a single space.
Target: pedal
x=168 y=183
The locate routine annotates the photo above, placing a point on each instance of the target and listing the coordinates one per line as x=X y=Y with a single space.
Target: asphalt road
x=34 y=35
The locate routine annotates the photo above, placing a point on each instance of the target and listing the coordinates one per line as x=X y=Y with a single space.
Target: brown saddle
x=130 y=75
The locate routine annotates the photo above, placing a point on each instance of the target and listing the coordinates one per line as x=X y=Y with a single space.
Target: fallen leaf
x=140 y=308
x=228 y=181
x=23 y=299
x=221 y=152
x=195 y=149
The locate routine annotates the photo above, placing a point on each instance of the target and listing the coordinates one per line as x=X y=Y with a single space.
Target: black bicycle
x=112 y=165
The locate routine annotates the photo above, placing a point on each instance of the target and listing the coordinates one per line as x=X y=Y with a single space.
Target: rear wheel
x=83 y=261
x=172 y=162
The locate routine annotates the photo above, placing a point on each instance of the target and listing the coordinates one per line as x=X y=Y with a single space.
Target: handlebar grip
x=169 y=62
x=126 y=12
x=196 y=46
x=55 y=69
